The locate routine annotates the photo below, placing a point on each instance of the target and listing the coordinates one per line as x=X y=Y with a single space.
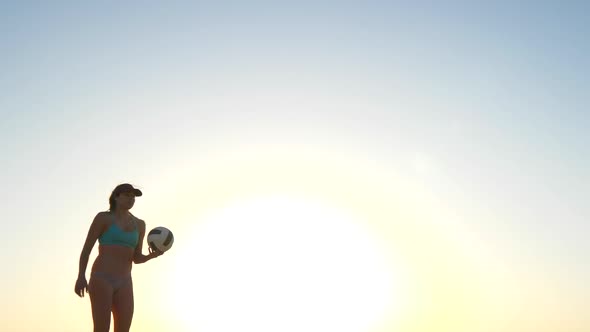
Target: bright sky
x=358 y=167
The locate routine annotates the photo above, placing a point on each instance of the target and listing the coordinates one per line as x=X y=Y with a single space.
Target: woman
x=120 y=237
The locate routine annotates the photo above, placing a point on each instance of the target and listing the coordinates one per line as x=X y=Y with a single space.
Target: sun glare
x=282 y=264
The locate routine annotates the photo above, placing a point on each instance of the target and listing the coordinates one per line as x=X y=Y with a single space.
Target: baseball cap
x=127 y=188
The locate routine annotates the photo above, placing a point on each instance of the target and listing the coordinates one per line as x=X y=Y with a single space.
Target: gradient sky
x=463 y=124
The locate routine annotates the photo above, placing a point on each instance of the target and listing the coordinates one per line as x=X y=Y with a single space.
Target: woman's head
x=123 y=196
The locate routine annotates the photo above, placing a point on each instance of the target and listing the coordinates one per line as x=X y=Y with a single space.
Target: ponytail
x=112 y=202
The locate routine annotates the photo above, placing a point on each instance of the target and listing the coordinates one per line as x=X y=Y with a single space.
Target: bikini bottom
x=117 y=282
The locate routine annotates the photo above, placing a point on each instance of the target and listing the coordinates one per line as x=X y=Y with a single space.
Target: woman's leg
x=123 y=307
x=101 y=300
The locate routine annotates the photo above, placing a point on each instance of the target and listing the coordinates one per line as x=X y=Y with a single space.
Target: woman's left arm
x=138 y=256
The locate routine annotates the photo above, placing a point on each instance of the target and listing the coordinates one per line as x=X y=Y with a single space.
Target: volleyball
x=160 y=238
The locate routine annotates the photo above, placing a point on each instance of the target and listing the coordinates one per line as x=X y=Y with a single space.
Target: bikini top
x=114 y=235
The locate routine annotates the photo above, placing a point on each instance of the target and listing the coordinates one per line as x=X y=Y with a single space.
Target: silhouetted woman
x=120 y=237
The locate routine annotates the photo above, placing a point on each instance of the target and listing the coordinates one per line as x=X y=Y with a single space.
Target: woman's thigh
x=123 y=306
x=101 y=300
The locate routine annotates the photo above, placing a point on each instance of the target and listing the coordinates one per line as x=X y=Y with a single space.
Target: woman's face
x=125 y=200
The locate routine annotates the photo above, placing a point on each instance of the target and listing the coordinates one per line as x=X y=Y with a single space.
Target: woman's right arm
x=93 y=233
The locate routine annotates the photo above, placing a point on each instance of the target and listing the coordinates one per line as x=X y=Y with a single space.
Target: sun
x=281 y=263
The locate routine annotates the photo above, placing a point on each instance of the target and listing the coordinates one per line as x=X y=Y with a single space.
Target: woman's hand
x=81 y=286
x=155 y=252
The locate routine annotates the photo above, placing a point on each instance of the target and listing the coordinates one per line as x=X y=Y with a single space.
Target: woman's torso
x=117 y=246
